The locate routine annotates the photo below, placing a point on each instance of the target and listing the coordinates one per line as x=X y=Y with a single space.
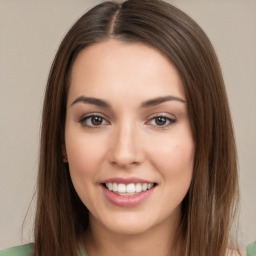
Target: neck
x=160 y=240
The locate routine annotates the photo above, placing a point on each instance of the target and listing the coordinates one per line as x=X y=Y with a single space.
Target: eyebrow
x=159 y=100
x=92 y=101
x=148 y=103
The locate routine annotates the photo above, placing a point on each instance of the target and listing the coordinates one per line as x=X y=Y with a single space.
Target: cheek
x=85 y=155
x=85 y=159
x=174 y=160
x=174 y=153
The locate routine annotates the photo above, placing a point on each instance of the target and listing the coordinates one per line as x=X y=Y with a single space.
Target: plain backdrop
x=30 y=32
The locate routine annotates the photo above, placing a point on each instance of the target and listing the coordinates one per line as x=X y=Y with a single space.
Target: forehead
x=114 y=67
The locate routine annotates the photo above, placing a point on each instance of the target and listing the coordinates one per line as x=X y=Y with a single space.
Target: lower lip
x=127 y=201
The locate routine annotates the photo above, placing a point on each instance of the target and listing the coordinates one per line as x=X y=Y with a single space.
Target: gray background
x=30 y=32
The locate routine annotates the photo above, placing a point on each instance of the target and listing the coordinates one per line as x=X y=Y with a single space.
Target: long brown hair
x=210 y=205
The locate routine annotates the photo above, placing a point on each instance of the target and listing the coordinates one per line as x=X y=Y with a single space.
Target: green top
x=26 y=250
x=251 y=249
x=22 y=250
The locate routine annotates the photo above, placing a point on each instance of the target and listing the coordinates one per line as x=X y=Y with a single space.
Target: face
x=128 y=138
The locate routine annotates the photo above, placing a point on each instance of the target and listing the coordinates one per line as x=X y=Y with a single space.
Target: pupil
x=160 y=120
x=96 y=120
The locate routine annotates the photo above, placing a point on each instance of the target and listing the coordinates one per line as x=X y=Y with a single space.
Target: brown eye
x=93 y=121
x=160 y=121
x=96 y=120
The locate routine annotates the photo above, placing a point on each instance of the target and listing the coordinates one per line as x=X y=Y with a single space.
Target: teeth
x=138 y=187
x=150 y=186
x=121 y=188
x=144 y=186
x=110 y=186
x=115 y=187
x=128 y=189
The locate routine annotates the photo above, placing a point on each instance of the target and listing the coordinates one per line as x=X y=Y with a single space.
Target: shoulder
x=22 y=250
x=251 y=249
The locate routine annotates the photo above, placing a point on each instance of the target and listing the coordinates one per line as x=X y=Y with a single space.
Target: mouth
x=128 y=192
x=128 y=189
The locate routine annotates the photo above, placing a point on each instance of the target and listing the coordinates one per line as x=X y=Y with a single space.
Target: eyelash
x=84 y=119
x=169 y=121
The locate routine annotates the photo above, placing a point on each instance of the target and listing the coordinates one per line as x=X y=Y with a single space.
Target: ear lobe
x=65 y=159
x=64 y=153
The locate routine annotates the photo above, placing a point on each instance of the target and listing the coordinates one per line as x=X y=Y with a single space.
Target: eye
x=93 y=121
x=161 y=121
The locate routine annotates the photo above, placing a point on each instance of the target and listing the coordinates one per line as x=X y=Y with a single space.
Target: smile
x=128 y=189
x=127 y=192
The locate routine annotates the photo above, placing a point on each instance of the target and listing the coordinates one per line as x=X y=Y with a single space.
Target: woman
x=137 y=147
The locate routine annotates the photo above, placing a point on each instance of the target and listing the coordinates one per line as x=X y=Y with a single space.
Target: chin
x=128 y=228
x=130 y=223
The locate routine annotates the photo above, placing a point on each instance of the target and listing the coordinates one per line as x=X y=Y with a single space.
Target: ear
x=64 y=153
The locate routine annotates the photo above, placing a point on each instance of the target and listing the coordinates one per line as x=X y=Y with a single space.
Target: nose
x=126 y=146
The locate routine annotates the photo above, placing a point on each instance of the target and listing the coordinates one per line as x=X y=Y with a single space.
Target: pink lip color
x=127 y=201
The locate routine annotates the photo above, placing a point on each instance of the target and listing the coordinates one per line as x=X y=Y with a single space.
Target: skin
x=129 y=142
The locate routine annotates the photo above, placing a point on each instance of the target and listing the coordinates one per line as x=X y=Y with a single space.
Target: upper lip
x=126 y=180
